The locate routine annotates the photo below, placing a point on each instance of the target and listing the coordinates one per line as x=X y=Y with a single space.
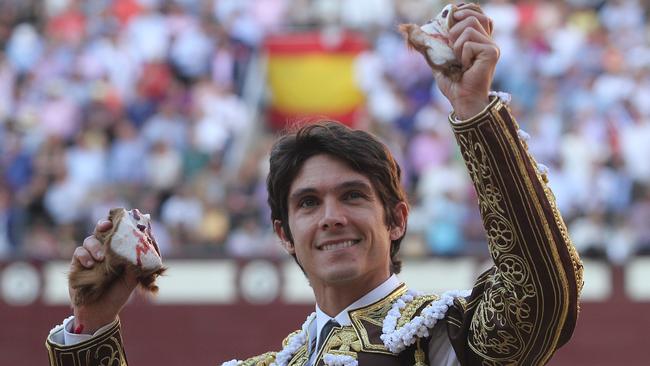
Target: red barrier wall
x=608 y=333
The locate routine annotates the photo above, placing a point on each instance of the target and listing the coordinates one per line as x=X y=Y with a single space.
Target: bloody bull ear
x=133 y=240
x=129 y=244
x=432 y=41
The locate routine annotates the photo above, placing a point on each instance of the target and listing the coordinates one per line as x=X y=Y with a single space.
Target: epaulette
x=286 y=339
x=413 y=316
x=413 y=308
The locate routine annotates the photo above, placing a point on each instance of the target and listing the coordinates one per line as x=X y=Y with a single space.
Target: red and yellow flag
x=310 y=78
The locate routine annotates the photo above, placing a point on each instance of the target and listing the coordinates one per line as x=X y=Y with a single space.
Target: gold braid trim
x=285 y=341
x=300 y=357
x=373 y=315
x=408 y=312
x=578 y=267
x=265 y=359
x=419 y=357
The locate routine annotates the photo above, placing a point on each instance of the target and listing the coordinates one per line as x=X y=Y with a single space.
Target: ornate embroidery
x=300 y=357
x=493 y=196
x=107 y=354
x=343 y=341
x=412 y=307
x=499 y=233
x=492 y=332
x=103 y=350
x=374 y=314
x=506 y=324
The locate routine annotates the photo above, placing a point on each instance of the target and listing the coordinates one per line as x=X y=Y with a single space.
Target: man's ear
x=284 y=238
x=400 y=213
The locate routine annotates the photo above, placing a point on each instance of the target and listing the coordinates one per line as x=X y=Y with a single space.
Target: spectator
x=127 y=152
x=151 y=98
x=163 y=166
x=7 y=246
x=183 y=214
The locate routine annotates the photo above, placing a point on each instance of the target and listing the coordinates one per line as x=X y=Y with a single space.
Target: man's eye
x=354 y=195
x=308 y=202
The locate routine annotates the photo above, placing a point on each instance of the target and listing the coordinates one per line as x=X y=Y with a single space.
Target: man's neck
x=334 y=298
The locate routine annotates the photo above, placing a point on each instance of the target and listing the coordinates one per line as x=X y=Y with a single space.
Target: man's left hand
x=471 y=37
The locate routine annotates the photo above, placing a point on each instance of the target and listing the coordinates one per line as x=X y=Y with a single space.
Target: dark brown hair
x=361 y=151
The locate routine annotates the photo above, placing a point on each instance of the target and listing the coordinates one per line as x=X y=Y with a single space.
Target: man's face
x=336 y=218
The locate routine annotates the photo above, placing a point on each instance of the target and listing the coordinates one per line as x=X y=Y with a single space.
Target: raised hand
x=472 y=43
x=90 y=317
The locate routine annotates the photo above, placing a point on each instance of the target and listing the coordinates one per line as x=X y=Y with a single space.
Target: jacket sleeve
x=104 y=349
x=525 y=307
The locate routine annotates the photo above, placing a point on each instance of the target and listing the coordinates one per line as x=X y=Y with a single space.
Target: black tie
x=327 y=328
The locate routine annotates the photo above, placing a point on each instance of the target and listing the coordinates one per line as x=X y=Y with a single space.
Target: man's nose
x=333 y=215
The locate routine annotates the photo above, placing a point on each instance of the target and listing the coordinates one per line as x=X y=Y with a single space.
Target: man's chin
x=341 y=275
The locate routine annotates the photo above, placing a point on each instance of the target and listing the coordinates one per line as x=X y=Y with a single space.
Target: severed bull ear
x=129 y=244
x=432 y=41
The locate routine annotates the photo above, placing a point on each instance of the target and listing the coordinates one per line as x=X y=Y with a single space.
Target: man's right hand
x=88 y=318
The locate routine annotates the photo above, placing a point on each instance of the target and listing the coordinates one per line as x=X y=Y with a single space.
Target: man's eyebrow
x=354 y=184
x=301 y=192
x=351 y=184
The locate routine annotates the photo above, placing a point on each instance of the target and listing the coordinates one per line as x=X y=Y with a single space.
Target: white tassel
x=231 y=363
x=339 y=360
x=542 y=169
x=505 y=97
x=523 y=135
x=543 y=172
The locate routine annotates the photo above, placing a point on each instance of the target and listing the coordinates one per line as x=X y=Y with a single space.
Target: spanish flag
x=311 y=76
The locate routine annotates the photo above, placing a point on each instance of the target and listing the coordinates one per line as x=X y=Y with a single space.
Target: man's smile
x=337 y=244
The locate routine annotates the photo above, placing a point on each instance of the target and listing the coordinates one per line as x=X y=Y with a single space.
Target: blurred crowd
x=144 y=103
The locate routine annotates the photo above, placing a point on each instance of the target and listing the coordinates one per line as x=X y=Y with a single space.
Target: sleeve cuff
x=495 y=98
x=62 y=334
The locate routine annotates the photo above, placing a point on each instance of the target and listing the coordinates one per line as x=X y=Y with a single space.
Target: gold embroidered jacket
x=526 y=306
x=519 y=312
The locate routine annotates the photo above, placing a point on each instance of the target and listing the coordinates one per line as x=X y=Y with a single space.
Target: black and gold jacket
x=519 y=312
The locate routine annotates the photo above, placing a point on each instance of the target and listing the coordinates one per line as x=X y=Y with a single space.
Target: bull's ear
x=285 y=240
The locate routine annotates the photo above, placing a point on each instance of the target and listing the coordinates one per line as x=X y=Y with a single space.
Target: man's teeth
x=341 y=245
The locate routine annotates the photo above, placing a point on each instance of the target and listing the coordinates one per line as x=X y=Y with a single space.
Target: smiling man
x=338 y=207
x=342 y=226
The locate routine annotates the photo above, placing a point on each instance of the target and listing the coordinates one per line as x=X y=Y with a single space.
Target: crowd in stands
x=142 y=103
